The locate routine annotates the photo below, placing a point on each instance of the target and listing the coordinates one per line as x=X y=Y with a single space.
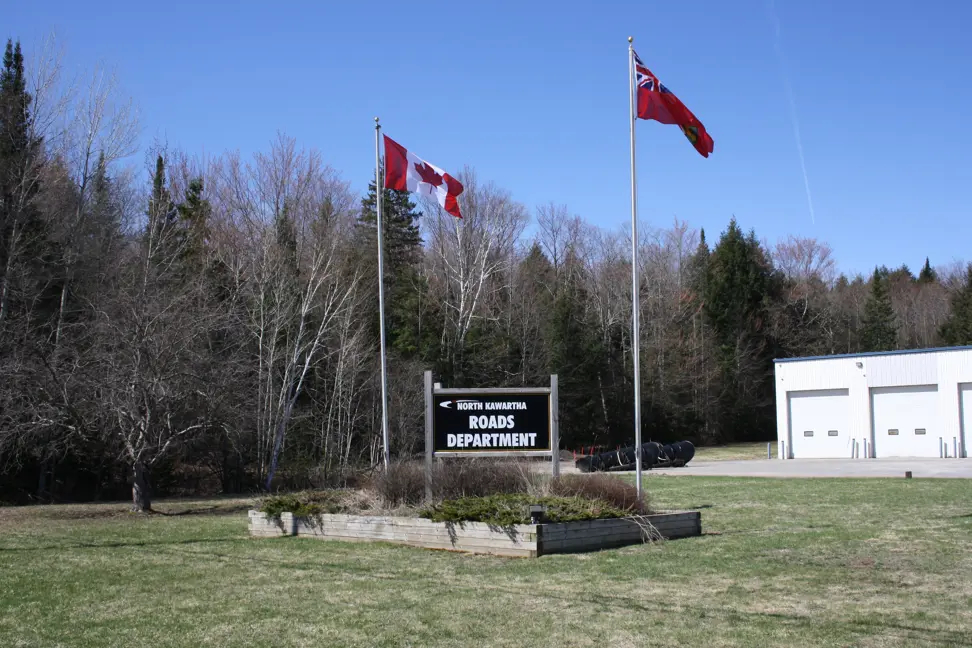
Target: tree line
x=215 y=329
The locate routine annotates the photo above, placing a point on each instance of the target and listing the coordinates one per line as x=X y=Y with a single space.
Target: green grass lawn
x=784 y=562
x=735 y=452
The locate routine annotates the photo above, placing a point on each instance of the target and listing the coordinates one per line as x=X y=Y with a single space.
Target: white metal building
x=896 y=404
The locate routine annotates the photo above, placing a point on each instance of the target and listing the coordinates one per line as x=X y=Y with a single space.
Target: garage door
x=905 y=421
x=820 y=424
x=965 y=391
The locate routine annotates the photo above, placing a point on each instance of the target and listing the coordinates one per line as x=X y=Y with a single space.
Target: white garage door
x=820 y=424
x=965 y=391
x=906 y=421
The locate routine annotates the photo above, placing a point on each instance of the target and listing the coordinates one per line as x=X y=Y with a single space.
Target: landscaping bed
x=509 y=512
x=515 y=540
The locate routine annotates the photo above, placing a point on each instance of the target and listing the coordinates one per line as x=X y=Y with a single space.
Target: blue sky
x=533 y=95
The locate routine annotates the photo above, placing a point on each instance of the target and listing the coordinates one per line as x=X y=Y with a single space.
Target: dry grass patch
x=734 y=452
x=618 y=492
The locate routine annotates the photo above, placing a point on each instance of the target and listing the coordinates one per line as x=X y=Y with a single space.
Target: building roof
x=874 y=353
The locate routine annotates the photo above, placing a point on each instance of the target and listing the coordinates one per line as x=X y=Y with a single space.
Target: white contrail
x=778 y=43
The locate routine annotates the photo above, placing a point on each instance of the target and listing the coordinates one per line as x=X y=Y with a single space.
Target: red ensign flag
x=657 y=102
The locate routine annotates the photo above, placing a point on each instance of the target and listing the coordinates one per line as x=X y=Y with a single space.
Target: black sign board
x=509 y=422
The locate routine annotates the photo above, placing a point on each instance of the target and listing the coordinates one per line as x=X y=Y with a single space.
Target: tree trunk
x=60 y=312
x=42 y=480
x=5 y=284
x=141 y=497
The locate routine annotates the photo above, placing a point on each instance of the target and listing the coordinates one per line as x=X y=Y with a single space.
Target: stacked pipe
x=653 y=455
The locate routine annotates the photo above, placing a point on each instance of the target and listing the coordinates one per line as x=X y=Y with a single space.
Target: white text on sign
x=493 y=440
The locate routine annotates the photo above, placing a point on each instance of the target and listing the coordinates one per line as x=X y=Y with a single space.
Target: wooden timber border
x=522 y=540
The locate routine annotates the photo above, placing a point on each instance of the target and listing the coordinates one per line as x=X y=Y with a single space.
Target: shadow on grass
x=210 y=510
x=197 y=548
x=115 y=510
x=118 y=544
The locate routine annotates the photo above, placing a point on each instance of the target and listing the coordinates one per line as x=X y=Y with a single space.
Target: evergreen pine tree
x=902 y=274
x=194 y=212
x=526 y=349
x=15 y=115
x=738 y=284
x=401 y=234
x=105 y=213
x=537 y=268
x=23 y=235
x=879 y=328
x=957 y=330
x=577 y=357
x=100 y=188
x=739 y=287
x=412 y=328
x=285 y=233
x=698 y=362
x=101 y=233
x=927 y=274
x=161 y=236
x=699 y=266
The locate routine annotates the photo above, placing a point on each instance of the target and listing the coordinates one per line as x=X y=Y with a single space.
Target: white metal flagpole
x=379 y=199
x=635 y=285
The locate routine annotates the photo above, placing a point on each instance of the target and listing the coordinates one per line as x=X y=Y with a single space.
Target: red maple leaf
x=428 y=174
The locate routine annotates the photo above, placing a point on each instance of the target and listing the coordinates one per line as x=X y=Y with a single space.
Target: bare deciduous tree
x=559 y=232
x=103 y=130
x=468 y=257
x=298 y=216
x=803 y=259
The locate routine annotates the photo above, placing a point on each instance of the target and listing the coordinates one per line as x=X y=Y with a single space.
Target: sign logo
x=448 y=404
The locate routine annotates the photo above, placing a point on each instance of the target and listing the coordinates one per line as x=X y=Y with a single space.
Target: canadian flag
x=405 y=171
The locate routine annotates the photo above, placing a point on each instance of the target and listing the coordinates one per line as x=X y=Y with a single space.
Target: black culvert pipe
x=653 y=455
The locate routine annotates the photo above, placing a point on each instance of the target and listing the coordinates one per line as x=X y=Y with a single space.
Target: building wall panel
x=901 y=370
x=947 y=369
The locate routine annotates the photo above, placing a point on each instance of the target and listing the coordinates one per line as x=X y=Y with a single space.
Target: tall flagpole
x=379 y=199
x=635 y=285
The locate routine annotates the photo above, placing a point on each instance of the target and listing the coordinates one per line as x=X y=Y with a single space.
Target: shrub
x=306 y=504
x=400 y=485
x=510 y=509
x=479 y=478
x=616 y=492
x=403 y=484
x=347 y=477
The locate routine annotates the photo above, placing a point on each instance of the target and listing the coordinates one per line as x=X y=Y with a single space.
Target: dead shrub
x=479 y=478
x=335 y=478
x=607 y=488
x=403 y=484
